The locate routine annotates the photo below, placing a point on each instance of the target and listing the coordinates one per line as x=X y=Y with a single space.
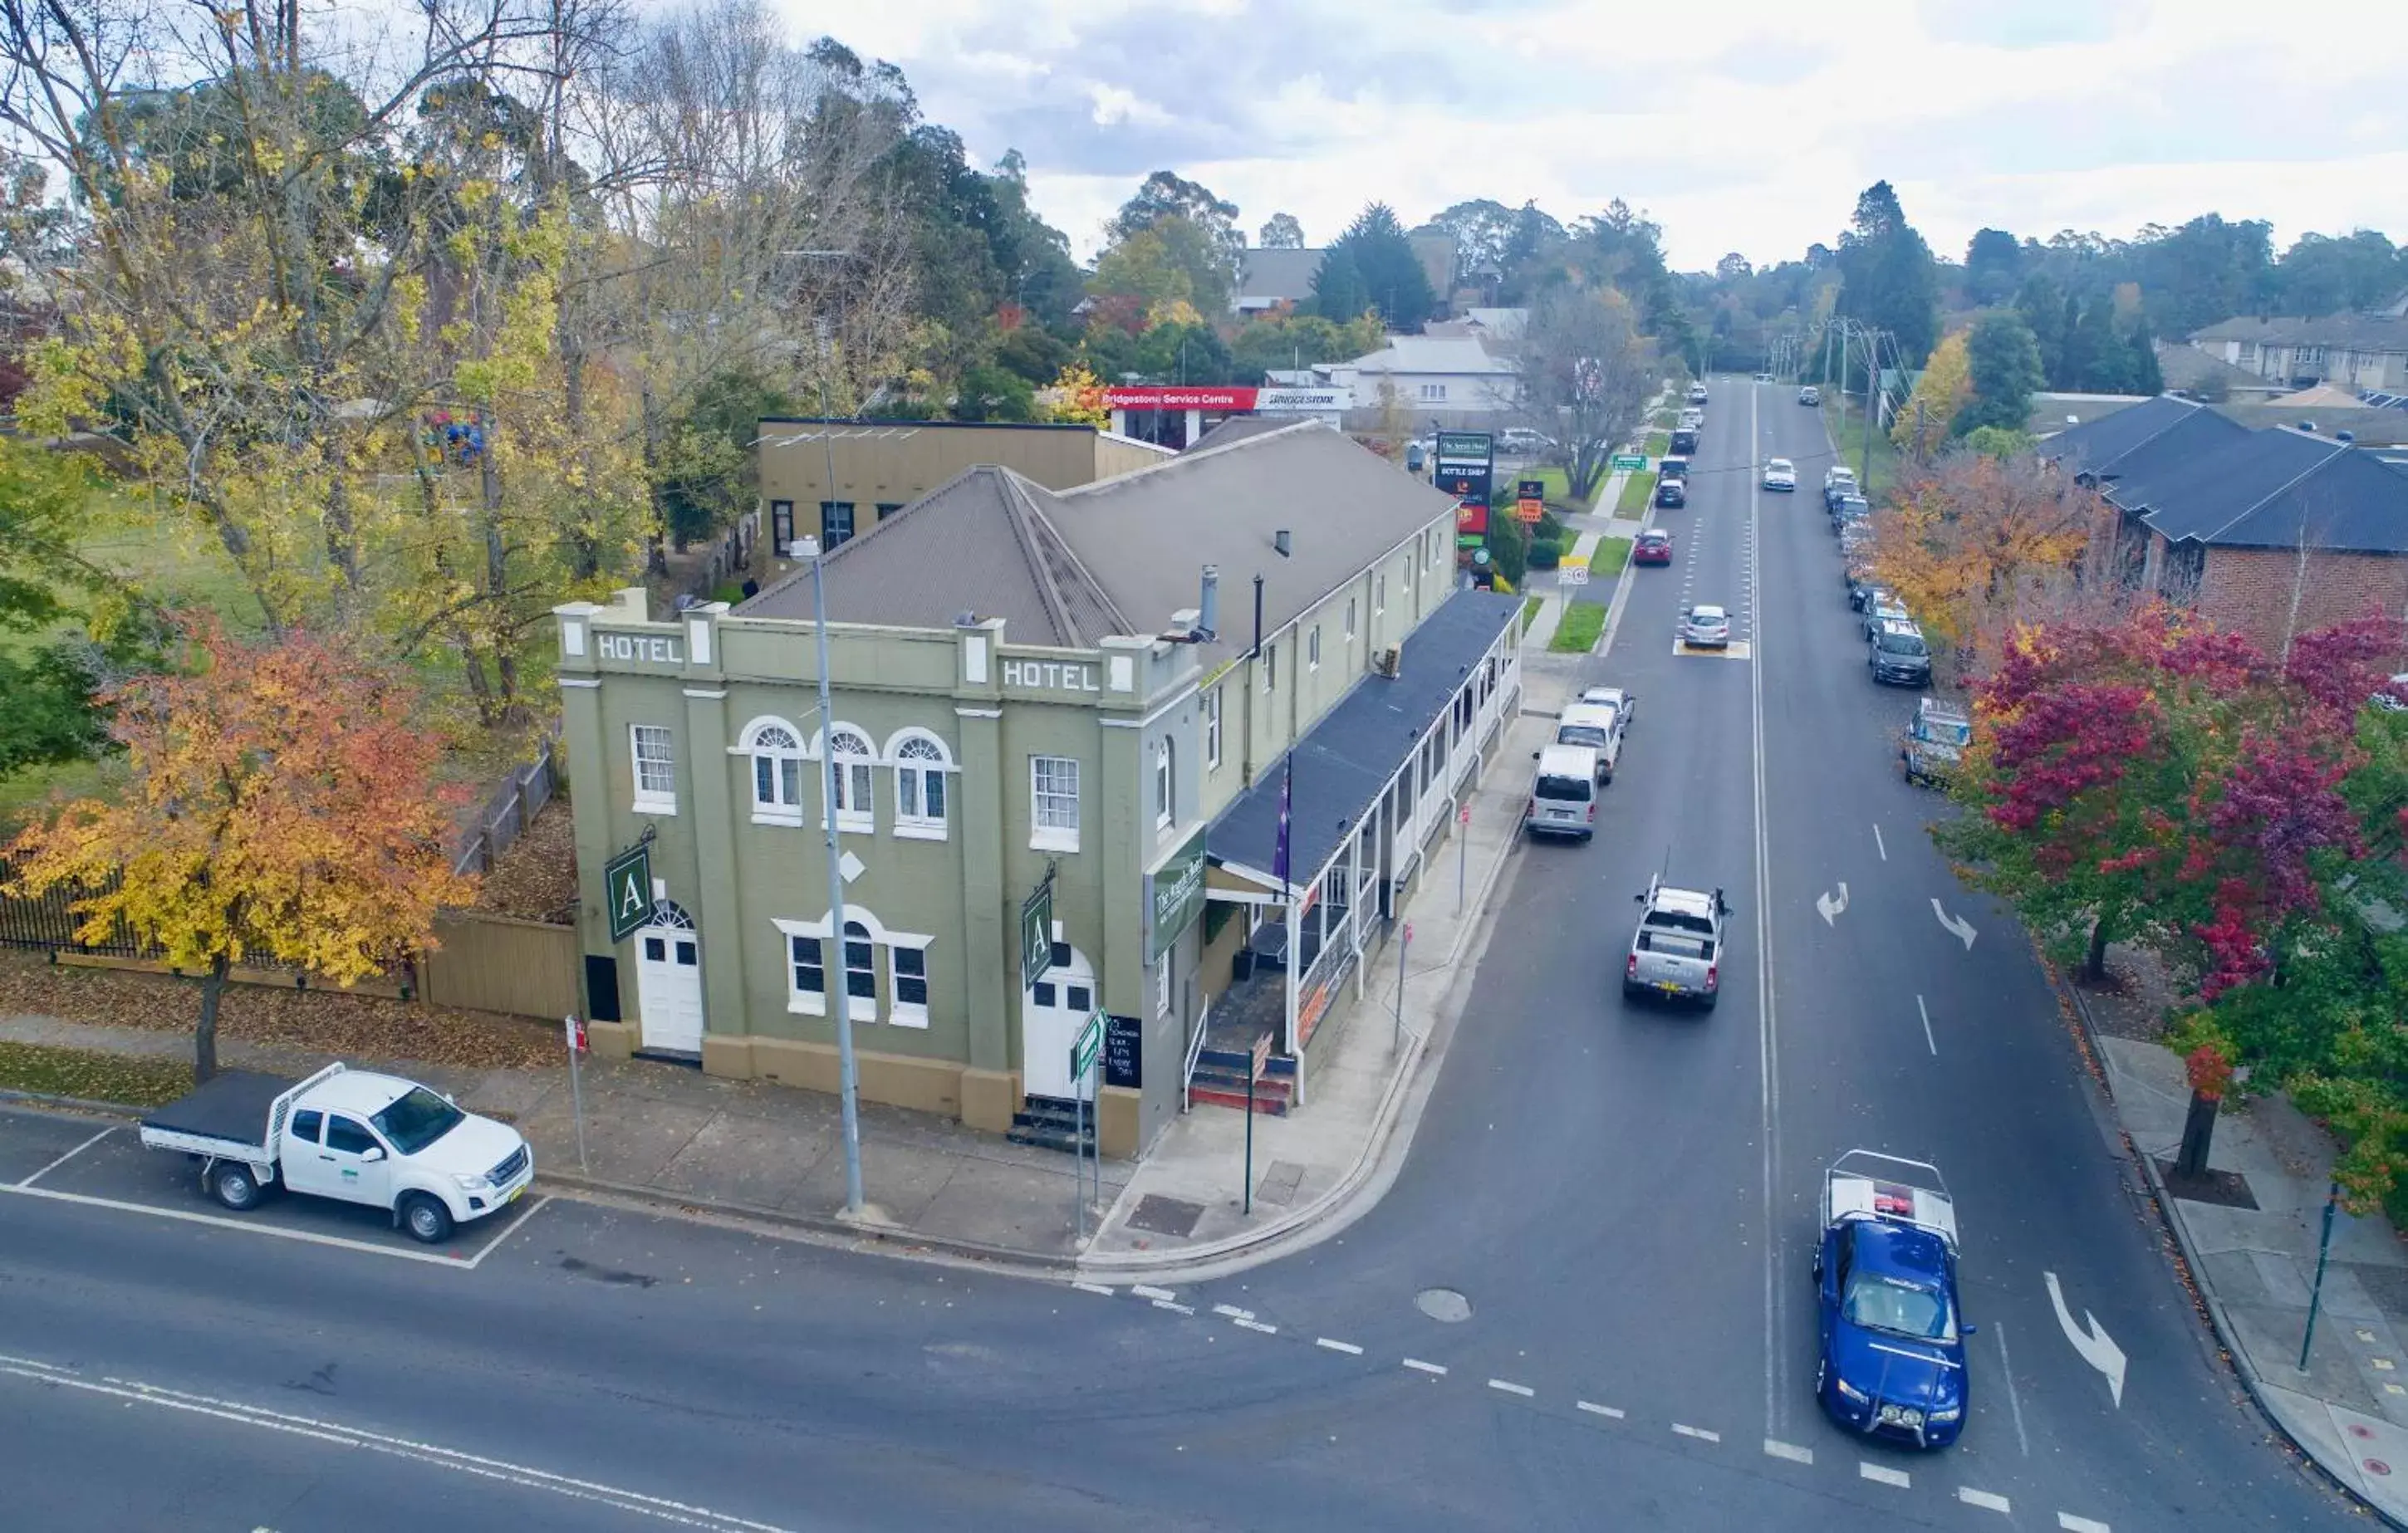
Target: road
x=1584 y=1302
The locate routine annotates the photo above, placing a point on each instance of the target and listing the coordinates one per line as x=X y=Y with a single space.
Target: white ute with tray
x=353 y=1136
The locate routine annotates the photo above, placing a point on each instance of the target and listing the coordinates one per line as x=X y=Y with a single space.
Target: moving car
x=1596 y=726
x=1698 y=393
x=1672 y=491
x=1654 y=547
x=1563 y=792
x=1780 y=473
x=1892 y=1352
x=1706 y=627
x=1677 y=952
x=1897 y=655
x=1764 y=377
x=1809 y=395
x=353 y=1136
x=1935 y=741
x=1685 y=440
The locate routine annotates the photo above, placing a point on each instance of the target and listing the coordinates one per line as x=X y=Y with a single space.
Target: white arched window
x=777 y=752
x=923 y=797
x=851 y=753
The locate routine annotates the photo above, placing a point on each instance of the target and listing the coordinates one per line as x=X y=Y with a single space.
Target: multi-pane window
x=920 y=766
x=836 y=521
x=1054 y=802
x=1212 y=728
x=809 y=966
x=852 y=756
x=1162 y=986
x=655 y=757
x=860 y=971
x=908 y=986
x=1166 y=788
x=777 y=773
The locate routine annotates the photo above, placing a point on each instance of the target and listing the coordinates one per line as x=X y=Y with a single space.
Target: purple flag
x=1287 y=784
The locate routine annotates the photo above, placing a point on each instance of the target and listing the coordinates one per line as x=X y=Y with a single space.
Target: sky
x=1737 y=125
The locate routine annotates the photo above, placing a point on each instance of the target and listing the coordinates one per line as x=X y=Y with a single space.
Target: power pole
x=1872 y=382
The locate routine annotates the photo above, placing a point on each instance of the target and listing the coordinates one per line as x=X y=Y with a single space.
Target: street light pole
x=834 y=968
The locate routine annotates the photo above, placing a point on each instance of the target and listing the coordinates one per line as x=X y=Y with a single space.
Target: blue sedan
x=1893 y=1349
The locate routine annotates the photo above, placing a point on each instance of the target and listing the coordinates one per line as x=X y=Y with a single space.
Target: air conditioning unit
x=1391 y=661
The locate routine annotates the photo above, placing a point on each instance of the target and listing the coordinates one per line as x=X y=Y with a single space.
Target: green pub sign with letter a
x=627 y=890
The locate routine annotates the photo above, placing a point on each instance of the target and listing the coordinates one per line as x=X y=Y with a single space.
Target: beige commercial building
x=881 y=466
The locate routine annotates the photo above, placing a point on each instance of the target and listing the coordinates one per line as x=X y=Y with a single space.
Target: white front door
x=668 y=988
x=1051 y=1014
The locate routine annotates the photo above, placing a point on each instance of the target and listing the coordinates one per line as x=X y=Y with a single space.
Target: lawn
x=1576 y=632
x=1848 y=429
x=1530 y=606
x=1635 y=490
x=1657 y=444
x=134 y=1080
x=1607 y=561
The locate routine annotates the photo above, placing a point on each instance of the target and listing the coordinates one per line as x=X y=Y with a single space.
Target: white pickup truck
x=1677 y=952
x=350 y=1135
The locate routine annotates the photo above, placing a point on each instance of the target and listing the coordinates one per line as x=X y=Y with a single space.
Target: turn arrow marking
x=1831 y=908
x=2091 y=1341
x=1958 y=925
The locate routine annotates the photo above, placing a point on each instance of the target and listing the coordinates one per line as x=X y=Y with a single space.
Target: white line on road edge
x=1427 y=1368
x=1697 y=1432
x=1927 y=1026
x=1096 y=1289
x=1259 y=1325
x=533 y=1208
x=1349 y=1348
x=1600 y=1409
x=1983 y=1498
x=1143 y=1290
x=1789 y=1450
x=1174 y=1307
x=457 y=1264
x=2007 y=1371
x=1879 y=845
x=2072 y=1523
x=1883 y=1473
x=661 y=1509
x=1510 y=1387
x=69 y=1156
x=1233 y=1311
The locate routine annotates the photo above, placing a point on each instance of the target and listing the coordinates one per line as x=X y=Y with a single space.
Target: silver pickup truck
x=1677 y=951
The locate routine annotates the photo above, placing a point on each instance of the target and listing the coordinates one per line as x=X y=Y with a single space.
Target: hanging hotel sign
x=1177 y=891
x=1036 y=932
x=627 y=889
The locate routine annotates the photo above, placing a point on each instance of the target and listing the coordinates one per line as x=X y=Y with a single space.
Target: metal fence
x=509 y=811
x=49 y=922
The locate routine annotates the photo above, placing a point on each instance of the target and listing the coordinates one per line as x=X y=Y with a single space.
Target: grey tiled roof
x=2188 y=368
x=1237 y=428
x=1278 y=274
x=2139 y=437
x=2349 y=332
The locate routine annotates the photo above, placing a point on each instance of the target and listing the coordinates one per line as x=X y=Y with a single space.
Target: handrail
x=1195 y=1051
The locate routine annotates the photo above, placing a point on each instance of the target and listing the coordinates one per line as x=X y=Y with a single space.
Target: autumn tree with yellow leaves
x=1974 y=544
x=1946 y=384
x=282 y=811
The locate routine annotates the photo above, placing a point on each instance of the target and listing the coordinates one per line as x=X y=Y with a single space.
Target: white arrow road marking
x=1832 y=908
x=2090 y=1340
x=1958 y=925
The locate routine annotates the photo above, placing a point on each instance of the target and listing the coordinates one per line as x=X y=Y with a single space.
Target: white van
x=1597 y=726
x=1563 y=792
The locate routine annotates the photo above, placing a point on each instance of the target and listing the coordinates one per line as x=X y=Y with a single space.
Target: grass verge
x=1657 y=444
x=1577 y=634
x=1611 y=553
x=1530 y=606
x=1848 y=435
x=1635 y=490
x=134 y=1080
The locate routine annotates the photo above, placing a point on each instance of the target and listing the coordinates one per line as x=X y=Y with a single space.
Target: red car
x=1653 y=548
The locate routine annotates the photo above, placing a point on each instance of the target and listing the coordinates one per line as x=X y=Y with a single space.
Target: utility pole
x=1872 y=382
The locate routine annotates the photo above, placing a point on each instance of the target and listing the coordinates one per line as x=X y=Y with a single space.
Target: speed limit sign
x=1572 y=575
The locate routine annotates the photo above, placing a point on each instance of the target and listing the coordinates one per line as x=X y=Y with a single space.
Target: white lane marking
x=2072 y=1523
x=2096 y=1348
x=1233 y=1311
x=1142 y=1291
x=1958 y=925
x=69 y=1156
x=1510 y=1387
x=1349 y=1348
x=1096 y=1289
x=1883 y=1473
x=1831 y=910
x=534 y=1207
x=1259 y=1325
x=1983 y=1499
x=661 y=1509
x=1437 y=1369
x=1789 y=1450
x=456 y=1262
x=2007 y=1371
x=1697 y=1432
x=1879 y=845
x=1600 y=1409
x=1927 y=1026
x=1767 y=1036
x=1174 y=1307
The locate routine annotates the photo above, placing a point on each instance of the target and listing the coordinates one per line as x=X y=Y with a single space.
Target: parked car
x=1524 y=441
x=1613 y=697
x=1671 y=492
x=1685 y=440
x=1563 y=792
x=1706 y=627
x=1882 y=607
x=1809 y=395
x=2393 y=697
x=352 y=1136
x=1691 y=420
x=1764 y=377
x=1859 y=575
x=1898 y=656
x=1698 y=393
x=1851 y=510
x=1654 y=547
x=1596 y=726
x=1935 y=740
x=1677 y=952
x=1839 y=480
x=1672 y=467
x=1780 y=473
x=1891 y=1359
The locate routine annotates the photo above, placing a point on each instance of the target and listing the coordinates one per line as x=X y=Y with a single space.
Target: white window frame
x=1166 y=785
x=1270 y=667
x=1045 y=832
x=653 y=800
x=1212 y=729
x=855 y=786
x=900 y=1012
x=1380 y=596
x=913 y=821
x=1162 y=984
x=860 y=1008
x=1350 y=617
x=1312 y=650
x=811 y=1003
x=782 y=808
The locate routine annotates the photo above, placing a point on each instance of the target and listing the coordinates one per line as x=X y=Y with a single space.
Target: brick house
x=2268 y=533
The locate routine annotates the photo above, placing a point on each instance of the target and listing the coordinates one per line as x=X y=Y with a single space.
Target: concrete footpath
x=2255 y=1267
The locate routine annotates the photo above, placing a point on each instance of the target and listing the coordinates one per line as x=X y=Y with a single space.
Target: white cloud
x=1754 y=132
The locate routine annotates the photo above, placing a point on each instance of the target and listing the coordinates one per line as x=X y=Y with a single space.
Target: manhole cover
x=1444 y=1304
x=1163 y=1216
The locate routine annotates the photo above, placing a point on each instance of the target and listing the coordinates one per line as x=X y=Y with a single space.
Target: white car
x=1626 y=703
x=1697 y=393
x=1706 y=627
x=1809 y=395
x=1780 y=473
x=1836 y=477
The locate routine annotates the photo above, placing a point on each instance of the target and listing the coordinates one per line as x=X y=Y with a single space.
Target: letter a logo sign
x=627 y=891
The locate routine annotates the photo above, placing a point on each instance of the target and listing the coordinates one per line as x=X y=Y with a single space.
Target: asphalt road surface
x=1583 y=1303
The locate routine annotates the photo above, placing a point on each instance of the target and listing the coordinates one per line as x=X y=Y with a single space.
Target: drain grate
x=1158 y=1215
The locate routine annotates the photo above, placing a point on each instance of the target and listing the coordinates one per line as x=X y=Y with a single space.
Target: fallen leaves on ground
x=321 y=1021
x=131 y=1079
x=536 y=879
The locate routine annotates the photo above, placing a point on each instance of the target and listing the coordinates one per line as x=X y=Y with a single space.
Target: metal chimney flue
x=1208 y=619
x=1285 y=541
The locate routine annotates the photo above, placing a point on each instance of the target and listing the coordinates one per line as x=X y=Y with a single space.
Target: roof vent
x=1285 y=541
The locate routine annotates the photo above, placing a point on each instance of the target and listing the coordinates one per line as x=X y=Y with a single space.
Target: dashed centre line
x=1983 y=1498
x=1697 y=1432
x=1789 y=1450
x=1144 y=1291
x=1349 y=1348
x=2072 y=1523
x=1885 y=1474
x=1438 y=1369
x=1233 y=1311
x=1174 y=1307
x=1600 y=1409
x=1259 y=1325
x=1510 y=1387
x=1095 y=1288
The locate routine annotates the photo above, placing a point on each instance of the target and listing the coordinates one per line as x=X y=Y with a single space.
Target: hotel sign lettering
x=1051 y=675
x=658 y=649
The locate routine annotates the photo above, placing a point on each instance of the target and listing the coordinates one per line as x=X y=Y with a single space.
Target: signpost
x=1260 y=1057
x=1084 y=1051
x=1036 y=932
x=1531 y=499
x=1466 y=468
x=577 y=1045
x=627 y=888
x=1630 y=463
x=1402 y=948
x=1462 y=851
